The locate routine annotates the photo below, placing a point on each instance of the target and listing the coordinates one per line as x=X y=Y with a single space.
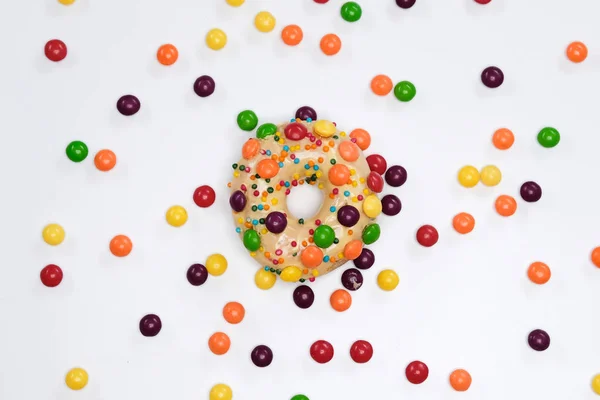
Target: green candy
x=77 y=151
x=247 y=120
x=351 y=11
x=251 y=240
x=265 y=130
x=548 y=137
x=300 y=397
x=371 y=233
x=324 y=236
x=405 y=91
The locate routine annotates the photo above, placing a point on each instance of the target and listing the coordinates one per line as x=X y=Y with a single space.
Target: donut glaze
x=304 y=153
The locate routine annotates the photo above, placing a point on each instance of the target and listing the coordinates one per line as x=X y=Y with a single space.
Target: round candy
x=150 y=325
x=505 y=205
x=361 y=351
x=324 y=236
x=320 y=1
x=51 y=275
x=204 y=196
x=301 y=396
x=538 y=340
x=321 y=351
x=596 y=384
x=503 y=139
x=216 y=264
x=204 y=86
x=220 y=391
x=216 y=39
x=490 y=175
x=577 y=52
x=262 y=356
x=417 y=372
x=77 y=151
x=176 y=216
x=128 y=105
x=76 y=379
x=167 y=54
x=349 y=151
x=531 y=192
x=396 y=176
x=595 y=256
x=340 y=300
x=460 y=380
x=53 y=234
x=264 y=280
x=352 y=279
x=264 y=21
x=295 y=131
x=306 y=112
x=265 y=130
x=348 y=216
x=219 y=343
x=105 y=160
x=377 y=163
x=371 y=233
x=372 y=206
x=66 y=2
x=388 y=280
x=311 y=257
x=250 y=148
x=324 y=128
x=351 y=11
x=235 y=3
x=276 y=222
x=492 y=77
x=468 y=176
x=362 y=137
x=197 y=274
x=548 y=137
x=381 y=85
x=375 y=181
x=339 y=175
x=365 y=260
x=482 y=1
x=292 y=35
x=303 y=296
x=251 y=240
x=463 y=223
x=120 y=246
x=391 y=204
x=352 y=249
x=405 y=91
x=406 y=4
x=427 y=236
x=247 y=120
x=237 y=201
x=234 y=312
x=55 y=50
x=539 y=273
x=331 y=44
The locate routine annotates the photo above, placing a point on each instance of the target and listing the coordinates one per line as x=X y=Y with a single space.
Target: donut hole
x=305 y=201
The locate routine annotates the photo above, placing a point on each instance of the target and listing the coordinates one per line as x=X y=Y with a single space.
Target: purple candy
x=237 y=201
x=365 y=260
x=204 y=86
x=197 y=274
x=391 y=204
x=150 y=325
x=276 y=222
x=128 y=105
x=531 y=192
x=405 y=3
x=539 y=340
x=303 y=296
x=492 y=77
x=348 y=216
x=306 y=112
x=352 y=279
x=262 y=356
x=395 y=176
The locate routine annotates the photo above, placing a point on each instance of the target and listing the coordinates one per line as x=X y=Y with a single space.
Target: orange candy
x=234 y=312
x=340 y=300
x=506 y=205
x=311 y=257
x=167 y=54
x=353 y=249
x=250 y=149
x=120 y=246
x=292 y=35
x=381 y=85
x=363 y=138
x=596 y=257
x=460 y=380
x=463 y=223
x=105 y=160
x=539 y=273
x=349 y=151
x=331 y=44
x=219 y=343
x=503 y=139
x=577 y=52
x=339 y=175
x=267 y=168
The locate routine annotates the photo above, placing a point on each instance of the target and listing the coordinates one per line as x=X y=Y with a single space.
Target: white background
x=465 y=303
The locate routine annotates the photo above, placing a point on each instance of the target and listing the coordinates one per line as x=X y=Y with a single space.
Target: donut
x=304 y=151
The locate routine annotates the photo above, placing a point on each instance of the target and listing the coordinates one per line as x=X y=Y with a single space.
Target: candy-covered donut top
x=305 y=152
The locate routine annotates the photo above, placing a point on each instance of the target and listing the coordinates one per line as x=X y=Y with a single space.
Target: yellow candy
x=468 y=176
x=176 y=216
x=216 y=39
x=388 y=279
x=220 y=392
x=372 y=206
x=235 y=3
x=490 y=175
x=264 y=279
x=76 y=378
x=66 y=2
x=216 y=264
x=596 y=384
x=324 y=128
x=291 y=274
x=53 y=234
x=264 y=21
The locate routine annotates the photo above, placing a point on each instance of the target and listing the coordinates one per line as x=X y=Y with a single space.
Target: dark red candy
x=375 y=182
x=321 y=351
x=204 y=196
x=276 y=222
x=391 y=204
x=396 y=176
x=303 y=296
x=352 y=279
x=262 y=356
x=365 y=260
x=51 y=275
x=405 y=3
x=417 y=372
x=150 y=325
x=348 y=216
x=128 y=105
x=539 y=340
x=295 y=131
x=55 y=50
x=204 y=86
x=361 y=351
x=427 y=235
x=306 y=112
x=492 y=77
x=197 y=274
x=237 y=201
x=377 y=163
x=531 y=192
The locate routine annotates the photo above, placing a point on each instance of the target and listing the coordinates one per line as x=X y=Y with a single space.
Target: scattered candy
x=120 y=246
x=391 y=205
x=51 y=275
x=531 y=192
x=197 y=274
x=167 y=54
x=538 y=340
x=264 y=21
x=405 y=91
x=577 y=52
x=352 y=279
x=331 y=44
x=361 y=351
x=53 y=234
x=351 y=11
x=381 y=85
x=505 y=205
x=237 y=201
x=427 y=236
x=204 y=196
x=372 y=206
x=55 y=50
x=490 y=175
x=463 y=223
x=221 y=391
x=66 y=2
x=483 y=1
x=468 y=176
x=548 y=137
x=367 y=259
x=406 y=4
x=76 y=379
x=219 y=343
x=503 y=139
x=417 y=372
x=176 y=216
x=105 y=160
x=596 y=384
x=377 y=163
x=396 y=176
x=262 y=356
x=388 y=280
x=539 y=273
x=216 y=264
x=204 y=86
x=303 y=296
x=235 y=3
x=247 y=120
x=321 y=351
x=320 y=1
x=150 y=325
x=216 y=39
x=595 y=256
x=77 y=151
x=306 y=112
x=301 y=396
x=340 y=300
x=371 y=233
x=292 y=35
x=128 y=105
x=492 y=77
x=234 y=312
x=460 y=380
x=264 y=280
x=362 y=137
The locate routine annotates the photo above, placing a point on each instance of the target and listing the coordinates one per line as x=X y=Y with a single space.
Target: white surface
x=464 y=303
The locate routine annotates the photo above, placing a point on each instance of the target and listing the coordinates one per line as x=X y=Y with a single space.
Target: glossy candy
x=216 y=39
x=306 y=112
x=295 y=131
x=167 y=54
x=276 y=222
x=324 y=236
x=204 y=196
x=391 y=205
x=396 y=176
x=351 y=11
x=219 y=343
x=460 y=380
x=105 y=160
x=365 y=260
x=361 y=351
x=371 y=233
x=150 y=325
x=463 y=223
x=377 y=163
x=267 y=168
x=235 y=3
x=539 y=273
x=596 y=384
x=220 y=391
x=349 y=151
x=264 y=280
x=468 y=176
x=250 y=149
x=176 y=216
x=381 y=85
x=128 y=105
x=372 y=206
x=264 y=21
x=505 y=205
x=375 y=182
x=492 y=77
x=352 y=249
x=406 y=4
x=330 y=44
x=77 y=151
x=482 y=1
x=405 y=91
x=531 y=192
x=538 y=340
x=490 y=175
x=120 y=246
x=303 y=296
x=324 y=128
x=51 y=275
x=291 y=273
x=251 y=240
x=577 y=52
x=362 y=137
x=320 y=1
x=311 y=257
x=292 y=35
x=427 y=236
x=262 y=356
x=417 y=372
x=548 y=137
x=197 y=274
x=595 y=257
x=301 y=396
x=234 y=312
x=66 y=2
x=216 y=264
x=53 y=234
x=247 y=120
x=348 y=216
x=265 y=130
x=352 y=279
x=503 y=139
x=55 y=50
x=204 y=86
x=339 y=174
x=388 y=280
x=321 y=351
x=237 y=201
x=76 y=378
x=340 y=300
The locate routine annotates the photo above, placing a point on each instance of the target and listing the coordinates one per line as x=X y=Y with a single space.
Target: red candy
x=361 y=351
x=321 y=351
x=56 y=50
x=51 y=275
x=483 y=1
x=417 y=372
x=295 y=131
x=204 y=196
x=427 y=236
x=377 y=163
x=375 y=182
x=321 y=1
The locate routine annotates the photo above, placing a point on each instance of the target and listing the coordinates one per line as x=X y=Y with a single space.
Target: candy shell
x=216 y=264
x=264 y=280
x=291 y=274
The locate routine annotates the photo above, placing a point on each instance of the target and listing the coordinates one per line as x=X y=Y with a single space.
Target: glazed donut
x=305 y=152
